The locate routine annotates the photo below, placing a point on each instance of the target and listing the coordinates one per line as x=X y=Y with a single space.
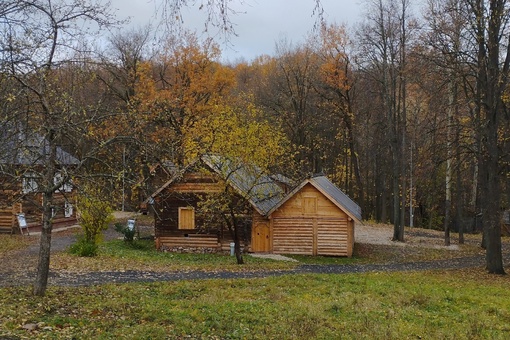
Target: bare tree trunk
x=490 y=203
x=43 y=266
x=448 y=177
x=354 y=159
x=492 y=80
x=396 y=197
x=234 y=232
x=459 y=207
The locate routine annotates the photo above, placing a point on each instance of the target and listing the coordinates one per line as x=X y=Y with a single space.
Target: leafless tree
x=38 y=37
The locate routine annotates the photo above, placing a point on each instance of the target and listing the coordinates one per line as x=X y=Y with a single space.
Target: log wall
x=188 y=192
x=30 y=205
x=191 y=241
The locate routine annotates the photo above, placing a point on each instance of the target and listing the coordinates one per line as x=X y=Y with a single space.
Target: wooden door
x=260 y=240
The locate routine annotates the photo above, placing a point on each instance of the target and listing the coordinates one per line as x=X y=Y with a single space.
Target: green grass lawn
x=424 y=305
x=142 y=255
x=455 y=304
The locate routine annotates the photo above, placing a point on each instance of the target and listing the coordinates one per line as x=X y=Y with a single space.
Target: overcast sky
x=259 y=27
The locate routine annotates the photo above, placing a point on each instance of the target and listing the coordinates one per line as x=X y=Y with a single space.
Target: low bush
x=129 y=233
x=95 y=213
x=84 y=248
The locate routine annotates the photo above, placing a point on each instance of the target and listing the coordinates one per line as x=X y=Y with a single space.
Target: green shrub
x=95 y=213
x=128 y=233
x=83 y=248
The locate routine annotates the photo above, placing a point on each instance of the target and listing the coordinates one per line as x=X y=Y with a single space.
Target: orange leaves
x=174 y=94
x=335 y=61
x=334 y=75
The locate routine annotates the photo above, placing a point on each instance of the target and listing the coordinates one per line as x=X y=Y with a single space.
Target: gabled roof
x=176 y=174
x=331 y=191
x=18 y=148
x=259 y=189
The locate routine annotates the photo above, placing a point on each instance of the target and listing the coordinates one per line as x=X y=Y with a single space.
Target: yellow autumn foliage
x=241 y=135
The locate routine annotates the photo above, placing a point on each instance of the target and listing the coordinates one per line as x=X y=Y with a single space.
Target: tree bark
x=459 y=207
x=234 y=231
x=448 y=177
x=43 y=266
x=492 y=81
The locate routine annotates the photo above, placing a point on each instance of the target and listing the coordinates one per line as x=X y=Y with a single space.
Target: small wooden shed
x=316 y=218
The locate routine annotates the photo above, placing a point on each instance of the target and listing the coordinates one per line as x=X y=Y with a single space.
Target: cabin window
x=309 y=205
x=186 y=218
x=64 y=187
x=68 y=209
x=29 y=183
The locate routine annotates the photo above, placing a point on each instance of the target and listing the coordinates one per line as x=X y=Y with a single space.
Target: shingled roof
x=259 y=189
x=18 y=148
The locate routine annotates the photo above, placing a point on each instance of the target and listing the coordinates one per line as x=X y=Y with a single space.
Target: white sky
x=259 y=27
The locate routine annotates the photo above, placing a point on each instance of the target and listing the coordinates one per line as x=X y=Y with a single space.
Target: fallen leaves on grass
x=9 y=243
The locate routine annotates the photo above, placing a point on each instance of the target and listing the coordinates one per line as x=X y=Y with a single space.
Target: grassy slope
x=446 y=305
x=463 y=304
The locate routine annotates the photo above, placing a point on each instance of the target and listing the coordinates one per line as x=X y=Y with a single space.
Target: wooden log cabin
x=21 y=165
x=315 y=218
x=179 y=224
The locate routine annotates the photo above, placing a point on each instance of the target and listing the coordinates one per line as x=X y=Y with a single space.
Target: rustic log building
x=315 y=218
x=21 y=162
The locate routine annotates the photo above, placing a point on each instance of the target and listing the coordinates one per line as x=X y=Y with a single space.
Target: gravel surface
x=96 y=278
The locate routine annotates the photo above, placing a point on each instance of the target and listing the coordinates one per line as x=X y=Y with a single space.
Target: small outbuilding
x=316 y=218
x=180 y=225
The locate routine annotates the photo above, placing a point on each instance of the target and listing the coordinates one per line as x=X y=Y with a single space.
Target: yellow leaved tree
x=244 y=149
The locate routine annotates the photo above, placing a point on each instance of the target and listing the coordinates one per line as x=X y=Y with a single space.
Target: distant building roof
x=18 y=148
x=328 y=189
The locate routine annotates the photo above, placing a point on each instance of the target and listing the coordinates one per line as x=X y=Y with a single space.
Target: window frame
x=29 y=183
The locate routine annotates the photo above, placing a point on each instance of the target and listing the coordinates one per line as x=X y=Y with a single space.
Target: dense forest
x=407 y=112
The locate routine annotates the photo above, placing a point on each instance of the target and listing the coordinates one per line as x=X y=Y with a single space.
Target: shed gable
x=309 y=202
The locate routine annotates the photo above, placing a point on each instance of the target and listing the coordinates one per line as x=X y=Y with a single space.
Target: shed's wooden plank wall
x=310 y=224
x=6 y=211
x=295 y=206
x=332 y=237
x=187 y=192
x=191 y=241
x=293 y=236
x=6 y=220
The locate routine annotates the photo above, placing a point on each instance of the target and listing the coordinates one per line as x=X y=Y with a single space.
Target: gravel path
x=96 y=278
x=19 y=267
